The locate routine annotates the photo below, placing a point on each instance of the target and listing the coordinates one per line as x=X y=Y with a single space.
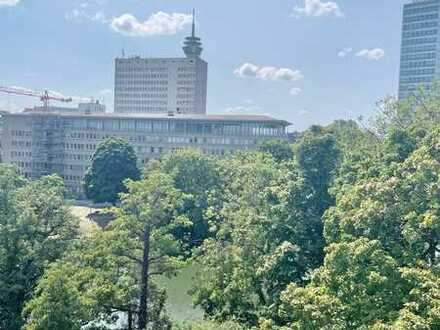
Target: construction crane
x=44 y=97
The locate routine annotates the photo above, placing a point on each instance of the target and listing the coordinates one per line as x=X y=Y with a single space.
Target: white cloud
x=159 y=23
x=371 y=54
x=316 y=8
x=105 y=92
x=303 y=113
x=250 y=70
x=82 y=14
x=9 y=2
x=252 y=109
x=345 y=52
x=295 y=91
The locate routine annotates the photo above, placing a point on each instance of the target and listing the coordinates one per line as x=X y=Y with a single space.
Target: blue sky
x=306 y=61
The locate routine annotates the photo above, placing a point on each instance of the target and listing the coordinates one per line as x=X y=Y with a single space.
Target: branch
x=133 y=258
x=121 y=308
x=156 y=273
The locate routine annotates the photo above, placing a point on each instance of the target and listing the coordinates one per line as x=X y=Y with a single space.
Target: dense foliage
x=35 y=230
x=113 y=162
x=338 y=230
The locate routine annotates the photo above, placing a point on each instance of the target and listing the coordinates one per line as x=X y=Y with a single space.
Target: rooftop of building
x=157 y=59
x=158 y=116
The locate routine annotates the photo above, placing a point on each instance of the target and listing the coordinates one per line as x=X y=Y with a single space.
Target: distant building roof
x=195 y=117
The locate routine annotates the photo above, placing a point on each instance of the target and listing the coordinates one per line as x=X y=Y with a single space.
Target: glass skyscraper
x=420 y=49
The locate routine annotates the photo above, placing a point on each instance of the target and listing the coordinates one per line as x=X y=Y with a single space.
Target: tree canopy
x=339 y=229
x=114 y=162
x=35 y=230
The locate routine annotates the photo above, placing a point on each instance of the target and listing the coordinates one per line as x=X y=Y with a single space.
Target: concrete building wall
x=161 y=85
x=44 y=143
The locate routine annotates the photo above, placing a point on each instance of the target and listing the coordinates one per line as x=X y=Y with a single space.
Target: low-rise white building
x=41 y=143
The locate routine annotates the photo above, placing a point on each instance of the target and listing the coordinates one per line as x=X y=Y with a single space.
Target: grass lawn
x=86 y=226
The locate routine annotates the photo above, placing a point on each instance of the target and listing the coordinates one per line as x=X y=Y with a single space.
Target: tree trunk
x=130 y=320
x=143 y=300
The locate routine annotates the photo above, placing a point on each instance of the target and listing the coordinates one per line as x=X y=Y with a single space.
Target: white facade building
x=163 y=85
x=83 y=108
x=91 y=107
x=62 y=142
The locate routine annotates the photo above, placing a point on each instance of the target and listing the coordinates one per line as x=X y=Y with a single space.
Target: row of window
x=140 y=74
x=418 y=41
x=74 y=178
x=185 y=102
x=417 y=72
x=21 y=143
x=79 y=146
x=186 y=69
x=185 y=96
x=21 y=153
x=76 y=135
x=152 y=150
x=141 y=101
x=419 y=49
x=136 y=90
x=418 y=64
x=408 y=88
x=416 y=80
x=121 y=95
x=37 y=166
x=130 y=107
x=21 y=133
x=419 y=18
x=418 y=10
x=78 y=157
x=22 y=165
x=421 y=25
x=187 y=127
x=138 y=82
x=77 y=168
x=126 y=68
x=422 y=56
x=185 y=82
x=163 y=139
x=420 y=33
x=186 y=89
x=186 y=76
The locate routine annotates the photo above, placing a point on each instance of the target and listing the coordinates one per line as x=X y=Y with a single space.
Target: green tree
x=399 y=207
x=267 y=236
x=199 y=178
x=209 y=325
x=318 y=157
x=420 y=110
x=279 y=149
x=381 y=270
x=146 y=218
x=59 y=303
x=114 y=271
x=113 y=162
x=35 y=229
x=361 y=286
x=358 y=285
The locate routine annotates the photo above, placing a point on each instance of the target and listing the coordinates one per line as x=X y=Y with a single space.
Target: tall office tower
x=163 y=85
x=420 y=52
